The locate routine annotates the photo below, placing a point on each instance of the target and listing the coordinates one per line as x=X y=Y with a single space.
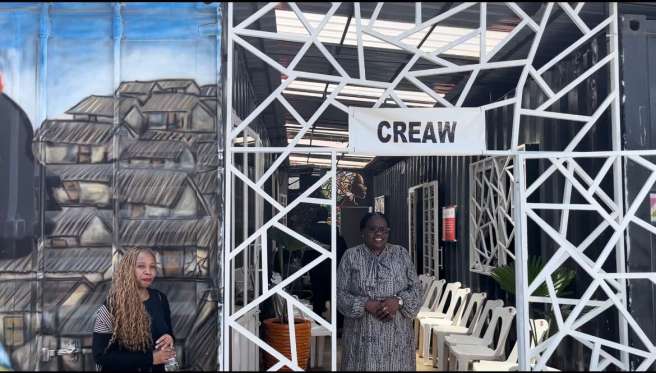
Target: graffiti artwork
x=162 y=198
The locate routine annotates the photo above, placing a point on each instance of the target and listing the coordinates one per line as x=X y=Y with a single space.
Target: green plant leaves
x=505 y=277
x=561 y=278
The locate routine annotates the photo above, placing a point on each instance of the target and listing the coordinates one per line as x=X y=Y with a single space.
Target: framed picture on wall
x=379 y=204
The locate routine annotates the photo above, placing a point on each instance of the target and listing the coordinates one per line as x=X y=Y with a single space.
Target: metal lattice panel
x=607 y=289
x=491 y=227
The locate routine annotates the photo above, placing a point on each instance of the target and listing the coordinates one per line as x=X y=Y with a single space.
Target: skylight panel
x=287 y=22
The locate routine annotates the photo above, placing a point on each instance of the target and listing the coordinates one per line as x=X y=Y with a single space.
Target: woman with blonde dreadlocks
x=133 y=328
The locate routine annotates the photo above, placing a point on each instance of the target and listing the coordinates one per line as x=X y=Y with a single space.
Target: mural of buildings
x=163 y=154
x=148 y=179
x=73 y=142
x=78 y=185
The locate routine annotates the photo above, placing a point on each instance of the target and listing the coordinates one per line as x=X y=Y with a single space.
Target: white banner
x=417 y=131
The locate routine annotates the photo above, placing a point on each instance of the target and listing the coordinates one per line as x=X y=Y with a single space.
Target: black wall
x=17 y=212
x=639 y=49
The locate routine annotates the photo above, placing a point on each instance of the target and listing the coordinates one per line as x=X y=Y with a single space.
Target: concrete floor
x=425 y=368
x=326 y=360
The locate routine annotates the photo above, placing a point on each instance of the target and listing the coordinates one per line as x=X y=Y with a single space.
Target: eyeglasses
x=382 y=230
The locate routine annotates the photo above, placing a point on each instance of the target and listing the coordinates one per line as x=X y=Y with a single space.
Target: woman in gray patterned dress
x=379 y=295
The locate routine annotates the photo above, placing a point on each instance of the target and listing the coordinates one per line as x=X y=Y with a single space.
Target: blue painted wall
x=159 y=40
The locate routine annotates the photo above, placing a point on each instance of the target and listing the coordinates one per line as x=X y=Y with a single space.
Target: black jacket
x=117 y=358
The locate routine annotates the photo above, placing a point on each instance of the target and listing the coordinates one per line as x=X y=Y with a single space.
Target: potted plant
x=561 y=278
x=276 y=329
x=287 y=246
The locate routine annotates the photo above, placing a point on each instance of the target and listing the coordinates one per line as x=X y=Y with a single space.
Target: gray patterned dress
x=368 y=343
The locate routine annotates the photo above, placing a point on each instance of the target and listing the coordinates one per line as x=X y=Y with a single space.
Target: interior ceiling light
x=337 y=137
x=293 y=127
x=325 y=162
x=321 y=143
x=316 y=127
x=287 y=22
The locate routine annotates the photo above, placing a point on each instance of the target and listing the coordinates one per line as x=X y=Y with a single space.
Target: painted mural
x=124 y=153
x=351 y=189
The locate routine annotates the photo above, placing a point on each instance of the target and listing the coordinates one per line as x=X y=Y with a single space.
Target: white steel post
x=333 y=248
x=227 y=238
x=521 y=279
x=521 y=256
x=245 y=215
x=620 y=253
x=221 y=170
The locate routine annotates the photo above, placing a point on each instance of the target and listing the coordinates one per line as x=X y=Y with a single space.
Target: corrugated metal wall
x=639 y=46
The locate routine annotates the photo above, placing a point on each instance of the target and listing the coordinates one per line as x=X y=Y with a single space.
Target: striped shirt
x=368 y=343
x=103 y=322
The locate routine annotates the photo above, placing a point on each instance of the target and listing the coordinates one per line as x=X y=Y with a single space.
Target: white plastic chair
x=431 y=299
x=432 y=295
x=540 y=327
x=437 y=307
x=465 y=323
x=471 y=337
x=494 y=350
x=452 y=316
x=439 y=310
x=318 y=336
x=425 y=281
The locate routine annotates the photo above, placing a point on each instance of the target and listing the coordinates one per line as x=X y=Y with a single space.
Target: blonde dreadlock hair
x=131 y=322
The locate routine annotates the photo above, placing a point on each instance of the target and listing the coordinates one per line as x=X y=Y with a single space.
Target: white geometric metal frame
x=249 y=271
x=607 y=289
x=491 y=222
x=565 y=163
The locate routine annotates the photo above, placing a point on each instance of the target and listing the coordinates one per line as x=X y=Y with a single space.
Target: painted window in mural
x=112 y=139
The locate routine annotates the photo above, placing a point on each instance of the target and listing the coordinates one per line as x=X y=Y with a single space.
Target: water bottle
x=171 y=365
